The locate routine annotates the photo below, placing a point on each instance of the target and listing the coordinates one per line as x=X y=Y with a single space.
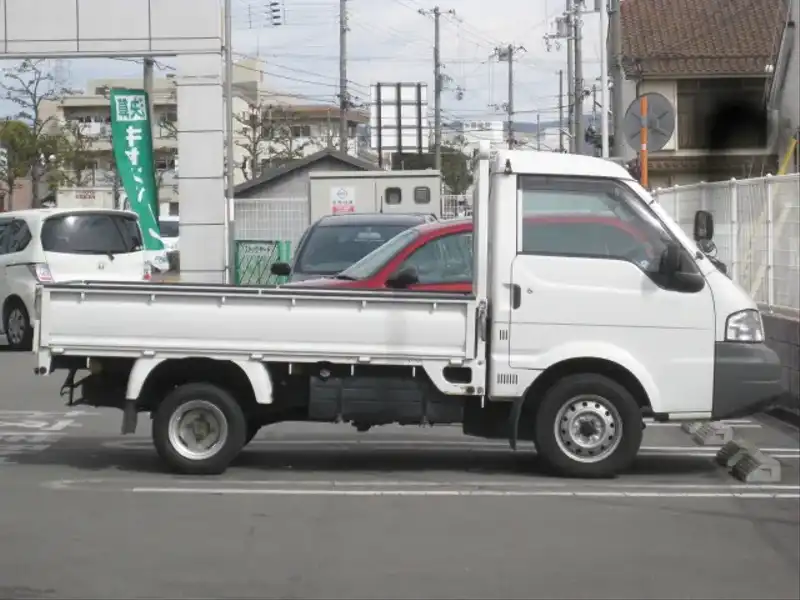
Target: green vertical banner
x=132 y=141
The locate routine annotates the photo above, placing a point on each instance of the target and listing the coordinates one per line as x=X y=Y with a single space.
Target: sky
x=390 y=41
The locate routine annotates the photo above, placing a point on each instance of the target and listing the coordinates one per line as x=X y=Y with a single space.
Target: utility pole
x=560 y=110
x=538 y=131
x=506 y=53
x=344 y=101
x=570 y=78
x=600 y=5
x=577 y=24
x=617 y=75
x=438 y=81
x=565 y=31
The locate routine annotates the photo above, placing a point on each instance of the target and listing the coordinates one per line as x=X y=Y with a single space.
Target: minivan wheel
x=588 y=425
x=199 y=429
x=17 y=325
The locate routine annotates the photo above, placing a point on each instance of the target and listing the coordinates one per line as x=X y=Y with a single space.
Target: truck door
x=586 y=282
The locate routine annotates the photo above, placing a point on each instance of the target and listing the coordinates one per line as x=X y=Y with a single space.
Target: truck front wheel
x=588 y=425
x=199 y=429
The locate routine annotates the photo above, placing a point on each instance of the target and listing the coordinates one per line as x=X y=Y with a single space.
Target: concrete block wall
x=783 y=336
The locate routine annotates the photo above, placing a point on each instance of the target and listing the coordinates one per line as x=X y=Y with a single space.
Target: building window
x=174 y=209
x=300 y=131
x=393 y=196
x=718 y=113
x=422 y=195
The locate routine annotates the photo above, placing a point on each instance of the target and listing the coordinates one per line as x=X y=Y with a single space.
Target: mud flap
x=130 y=416
x=513 y=418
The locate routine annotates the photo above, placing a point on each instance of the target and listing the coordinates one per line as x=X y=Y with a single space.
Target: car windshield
x=91 y=233
x=331 y=249
x=169 y=229
x=374 y=261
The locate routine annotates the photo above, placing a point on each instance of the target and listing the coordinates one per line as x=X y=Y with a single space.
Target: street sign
x=660 y=122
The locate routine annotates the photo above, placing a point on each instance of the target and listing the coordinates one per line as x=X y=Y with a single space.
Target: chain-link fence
x=757 y=232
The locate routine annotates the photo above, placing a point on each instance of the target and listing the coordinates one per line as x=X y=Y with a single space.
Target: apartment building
x=311 y=126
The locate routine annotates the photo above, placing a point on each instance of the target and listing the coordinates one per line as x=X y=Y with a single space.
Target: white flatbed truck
x=570 y=348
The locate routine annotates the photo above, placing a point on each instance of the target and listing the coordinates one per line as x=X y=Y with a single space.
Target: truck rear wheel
x=199 y=429
x=588 y=425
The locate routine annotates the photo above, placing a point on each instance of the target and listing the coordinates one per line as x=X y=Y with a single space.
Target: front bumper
x=747 y=379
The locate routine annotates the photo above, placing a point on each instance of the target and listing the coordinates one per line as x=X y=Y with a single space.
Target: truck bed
x=270 y=324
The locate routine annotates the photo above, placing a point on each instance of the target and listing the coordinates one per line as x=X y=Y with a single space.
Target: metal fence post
x=734 y=208
x=770 y=276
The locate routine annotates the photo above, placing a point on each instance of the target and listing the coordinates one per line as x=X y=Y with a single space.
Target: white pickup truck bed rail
x=272 y=324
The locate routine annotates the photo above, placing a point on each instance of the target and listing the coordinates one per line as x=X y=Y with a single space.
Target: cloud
x=390 y=41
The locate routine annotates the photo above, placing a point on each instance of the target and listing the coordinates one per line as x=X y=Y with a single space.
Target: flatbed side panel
x=272 y=325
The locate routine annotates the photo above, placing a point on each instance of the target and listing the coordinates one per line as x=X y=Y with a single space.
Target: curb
x=747 y=463
x=787 y=415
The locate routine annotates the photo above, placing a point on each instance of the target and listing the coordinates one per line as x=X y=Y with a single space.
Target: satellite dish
x=660 y=122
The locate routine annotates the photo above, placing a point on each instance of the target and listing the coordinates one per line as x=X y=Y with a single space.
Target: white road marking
x=523 y=482
x=40 y=413
x=685 y=451
x=222 y=491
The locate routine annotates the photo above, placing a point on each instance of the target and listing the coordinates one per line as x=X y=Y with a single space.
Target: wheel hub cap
x=588 y=428
x=198 y=430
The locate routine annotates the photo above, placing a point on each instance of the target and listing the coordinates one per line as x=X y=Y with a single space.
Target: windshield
x=91 y=233
x=329 y=250
x=169 y=229
x=375 y=260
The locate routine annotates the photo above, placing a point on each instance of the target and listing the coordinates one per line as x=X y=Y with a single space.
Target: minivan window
x=91 y=233
x=329 y=250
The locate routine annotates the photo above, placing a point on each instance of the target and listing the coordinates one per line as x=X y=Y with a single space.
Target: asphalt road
x=324 y=512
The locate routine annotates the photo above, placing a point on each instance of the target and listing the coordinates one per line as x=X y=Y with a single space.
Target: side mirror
x=281 y=269
x=703 y=226
x=670 y=260
x=403 y=278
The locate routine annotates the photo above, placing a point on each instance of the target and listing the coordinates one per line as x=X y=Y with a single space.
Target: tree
x=457 y=166
x=74 y=154
x=30 y=86
x=266 y=135
x=17 y=147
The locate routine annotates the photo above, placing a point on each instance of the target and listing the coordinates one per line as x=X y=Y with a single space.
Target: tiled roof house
x=713 y=61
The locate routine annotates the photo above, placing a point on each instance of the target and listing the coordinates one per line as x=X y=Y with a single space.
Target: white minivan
x=59 y=245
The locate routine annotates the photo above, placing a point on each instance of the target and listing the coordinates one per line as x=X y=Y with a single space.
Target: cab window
x=589 y=218
x=446 y=259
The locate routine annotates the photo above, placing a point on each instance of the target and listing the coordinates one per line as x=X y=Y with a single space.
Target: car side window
x=4 y=225
x=588 y=219
x=19 y=236
x=447 y=259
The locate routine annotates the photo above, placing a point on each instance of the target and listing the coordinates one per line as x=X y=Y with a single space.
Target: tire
x=205 y=404
x=17 y=325
x=600 y=405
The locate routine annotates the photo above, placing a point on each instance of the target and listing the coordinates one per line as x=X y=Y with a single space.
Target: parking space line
x=230 y=491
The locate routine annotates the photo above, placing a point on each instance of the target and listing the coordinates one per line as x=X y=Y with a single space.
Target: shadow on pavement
x=77 y=454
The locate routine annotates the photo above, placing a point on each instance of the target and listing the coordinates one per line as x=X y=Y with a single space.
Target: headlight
x=744 y=326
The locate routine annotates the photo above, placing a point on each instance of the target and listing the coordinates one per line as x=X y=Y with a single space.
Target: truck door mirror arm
x=673 y=277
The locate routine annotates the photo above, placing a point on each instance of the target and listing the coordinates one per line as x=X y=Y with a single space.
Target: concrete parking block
x=708 y=434
x=748 y=464
x=712 y=434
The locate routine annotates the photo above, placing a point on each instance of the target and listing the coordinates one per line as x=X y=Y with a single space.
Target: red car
x=437 y=257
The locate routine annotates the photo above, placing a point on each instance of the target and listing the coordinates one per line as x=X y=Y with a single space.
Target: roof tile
x=700 y=37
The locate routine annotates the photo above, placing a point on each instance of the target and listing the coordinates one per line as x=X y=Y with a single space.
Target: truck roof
x=407 y=219
x=527 y=162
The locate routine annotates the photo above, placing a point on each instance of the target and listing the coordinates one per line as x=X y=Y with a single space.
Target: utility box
x=337 y=192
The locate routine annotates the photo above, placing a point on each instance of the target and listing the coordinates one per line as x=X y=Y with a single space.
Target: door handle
x=516 y=295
